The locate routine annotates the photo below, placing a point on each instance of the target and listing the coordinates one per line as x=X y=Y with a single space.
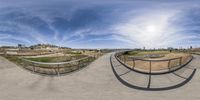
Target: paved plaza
x=95 y=82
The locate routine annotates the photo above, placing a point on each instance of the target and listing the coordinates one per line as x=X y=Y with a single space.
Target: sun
x=151 y=28
x=151 y=31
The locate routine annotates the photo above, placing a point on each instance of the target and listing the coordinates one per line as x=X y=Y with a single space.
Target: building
x=44 y=47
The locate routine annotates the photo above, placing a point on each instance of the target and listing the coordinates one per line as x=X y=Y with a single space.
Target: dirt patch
x=181 y=58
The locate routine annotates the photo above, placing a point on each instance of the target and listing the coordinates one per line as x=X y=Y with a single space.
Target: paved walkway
x=95 y=82
x=148 y=82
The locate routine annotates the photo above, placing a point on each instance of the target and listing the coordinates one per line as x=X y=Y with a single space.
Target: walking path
x=95 y=82
x=152 y=82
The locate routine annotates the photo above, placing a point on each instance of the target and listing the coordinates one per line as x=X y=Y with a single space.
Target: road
x=95 y=82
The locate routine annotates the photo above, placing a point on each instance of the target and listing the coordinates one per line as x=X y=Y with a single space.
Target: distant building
x=21 y=46
x=170 y=48
x=44 y=47
x=190 y=47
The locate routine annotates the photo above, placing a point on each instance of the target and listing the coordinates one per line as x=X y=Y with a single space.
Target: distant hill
x=45 y=46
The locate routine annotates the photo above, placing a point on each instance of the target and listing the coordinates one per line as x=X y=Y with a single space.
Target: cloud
x=159 y=28
x=149 y=29
x=91 y=23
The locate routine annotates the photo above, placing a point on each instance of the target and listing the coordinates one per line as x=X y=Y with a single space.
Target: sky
x=101 y=23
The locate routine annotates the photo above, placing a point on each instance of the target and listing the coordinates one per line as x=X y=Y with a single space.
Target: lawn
x=57 y=59
x=14 y=59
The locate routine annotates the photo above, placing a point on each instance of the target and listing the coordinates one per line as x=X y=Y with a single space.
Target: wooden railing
x=172 y=64
x=56 y=68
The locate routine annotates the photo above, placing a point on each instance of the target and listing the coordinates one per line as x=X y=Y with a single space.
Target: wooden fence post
x=124 y=59
x=58 y=70
x=33 y=67
x=180 y=61
x=78 y=64
x=133 y=63
x=150 y=67
x=169 y=64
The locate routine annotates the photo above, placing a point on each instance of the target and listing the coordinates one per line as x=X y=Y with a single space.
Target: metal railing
x=148 y=66
x=150 y=85
x=56 y=68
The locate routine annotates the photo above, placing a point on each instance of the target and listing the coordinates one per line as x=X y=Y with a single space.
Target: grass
x=42 y=59
x=50 y=69
x=14 y=59
x=57 y=59
x=17 y=60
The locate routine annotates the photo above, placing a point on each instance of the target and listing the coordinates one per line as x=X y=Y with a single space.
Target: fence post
x=33 y=67
x=58 y=70
x=124 y=59
x=150 y=67
x=78 y=64
x=133 y=63
x=180 y=61
x=169 y=64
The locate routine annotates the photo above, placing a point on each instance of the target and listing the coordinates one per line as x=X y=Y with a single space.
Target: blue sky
x=101 y=23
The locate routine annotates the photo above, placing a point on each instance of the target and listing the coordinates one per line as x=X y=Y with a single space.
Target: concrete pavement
x=95 y=82
x=136 y=80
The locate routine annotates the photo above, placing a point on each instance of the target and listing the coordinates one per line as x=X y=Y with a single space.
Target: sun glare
x=151 y=28
x=148 y=32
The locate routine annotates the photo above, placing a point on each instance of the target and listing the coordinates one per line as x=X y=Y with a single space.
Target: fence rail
x=148 y=68
x=56 y=68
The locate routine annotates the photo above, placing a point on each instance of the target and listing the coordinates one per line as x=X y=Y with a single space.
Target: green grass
x=57 y=59
x=14 y=59
x=17 y=60
x=42 y=59
x=20 y=62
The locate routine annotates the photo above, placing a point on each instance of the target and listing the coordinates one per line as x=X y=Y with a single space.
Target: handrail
x=195 y=53
x=58 y=63
x=57 y=68
x=156 y=60
x=128 y=84
x=150 y=71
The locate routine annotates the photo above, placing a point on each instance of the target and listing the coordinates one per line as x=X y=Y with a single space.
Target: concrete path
x=148 y=82
x=95 y=82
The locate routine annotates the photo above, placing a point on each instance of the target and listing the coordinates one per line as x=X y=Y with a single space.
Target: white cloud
x=152 y=30
x=133 y=23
